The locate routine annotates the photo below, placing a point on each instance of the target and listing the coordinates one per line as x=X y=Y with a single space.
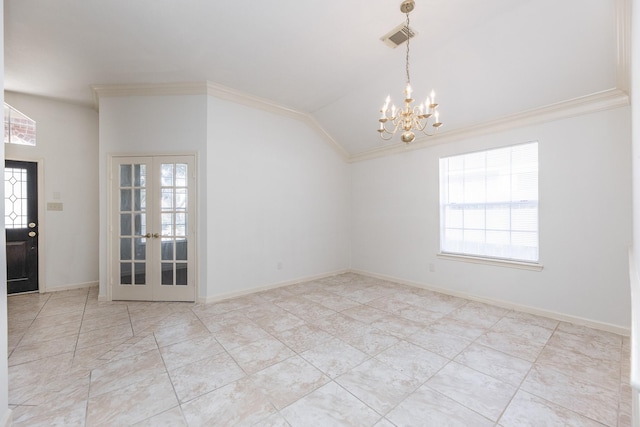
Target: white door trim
x=193 y=221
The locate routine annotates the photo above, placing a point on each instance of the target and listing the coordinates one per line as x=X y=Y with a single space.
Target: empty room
x=380 y=213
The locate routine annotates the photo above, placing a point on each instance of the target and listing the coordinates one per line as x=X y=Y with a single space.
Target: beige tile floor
x=346 y=350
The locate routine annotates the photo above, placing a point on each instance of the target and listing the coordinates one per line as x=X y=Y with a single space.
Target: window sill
x=492 y=261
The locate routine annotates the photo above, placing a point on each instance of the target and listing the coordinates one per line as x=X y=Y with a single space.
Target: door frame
x=110 y=203
x=42 y=229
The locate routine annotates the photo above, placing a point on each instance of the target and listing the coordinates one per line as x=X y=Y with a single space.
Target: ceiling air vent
x=398 y=35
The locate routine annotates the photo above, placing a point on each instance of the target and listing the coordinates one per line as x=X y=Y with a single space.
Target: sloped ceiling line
x=218 y=91
x=609 y=99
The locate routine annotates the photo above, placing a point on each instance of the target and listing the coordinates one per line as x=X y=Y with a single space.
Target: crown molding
x=151 y=89
x=229 y=94
x=623 y=39
x=606 y=100
x=218 y=91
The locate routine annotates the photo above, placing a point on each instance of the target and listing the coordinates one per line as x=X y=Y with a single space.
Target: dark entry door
x=21 y=225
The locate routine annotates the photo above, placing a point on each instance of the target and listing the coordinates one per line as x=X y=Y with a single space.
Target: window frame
x=477 y=257
x=9 y=126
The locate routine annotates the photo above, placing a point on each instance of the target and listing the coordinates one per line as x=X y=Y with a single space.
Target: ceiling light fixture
x=409 y=118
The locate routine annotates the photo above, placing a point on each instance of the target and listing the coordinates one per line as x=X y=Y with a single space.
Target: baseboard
x=225 y=296
x=7 y=418
x=70 y=287
x=505 y=304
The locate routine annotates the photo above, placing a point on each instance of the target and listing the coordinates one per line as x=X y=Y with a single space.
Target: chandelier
x=409 y=117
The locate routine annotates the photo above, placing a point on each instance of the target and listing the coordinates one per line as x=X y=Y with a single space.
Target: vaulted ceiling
x=485 y=60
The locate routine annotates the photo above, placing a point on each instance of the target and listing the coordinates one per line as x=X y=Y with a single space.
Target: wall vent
x=398 y=35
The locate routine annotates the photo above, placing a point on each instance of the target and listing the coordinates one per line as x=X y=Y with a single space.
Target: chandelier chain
x=408 y=40
x=409 y=119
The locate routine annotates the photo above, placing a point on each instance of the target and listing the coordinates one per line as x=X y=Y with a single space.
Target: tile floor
x=346 y=350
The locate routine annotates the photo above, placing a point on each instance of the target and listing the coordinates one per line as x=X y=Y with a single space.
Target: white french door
x=153 y=228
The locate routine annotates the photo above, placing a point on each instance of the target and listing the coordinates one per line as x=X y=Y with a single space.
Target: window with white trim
x=18 y=127
x=489 y=203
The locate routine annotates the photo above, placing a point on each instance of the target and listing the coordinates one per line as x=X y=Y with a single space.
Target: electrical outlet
x=279 y=266
x=432 y=267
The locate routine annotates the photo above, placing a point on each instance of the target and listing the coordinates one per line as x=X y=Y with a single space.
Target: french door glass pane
x=125 y=175
x=141 y=273
x=132 y=224
x=173 y=219
x=167 y=273
x=167 y=249
x=181 y=274
x=125 y=273
x=166 y=177
x=125 y=224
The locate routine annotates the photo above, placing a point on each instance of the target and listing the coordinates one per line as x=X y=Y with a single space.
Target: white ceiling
x=323 y=57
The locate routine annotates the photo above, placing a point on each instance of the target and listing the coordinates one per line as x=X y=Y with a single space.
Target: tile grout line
x=166 y=369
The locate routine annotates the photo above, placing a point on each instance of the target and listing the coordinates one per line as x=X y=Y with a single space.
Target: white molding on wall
x=72 y=287
x=496 y=262
x=222 y=297
x=218 y=91
x=150 y=89
x=605 y=100
x=505 y=304
x=599 y=101
x=623 y=53
x=224 y=92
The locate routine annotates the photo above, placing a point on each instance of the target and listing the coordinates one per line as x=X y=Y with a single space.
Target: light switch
x=54 y=206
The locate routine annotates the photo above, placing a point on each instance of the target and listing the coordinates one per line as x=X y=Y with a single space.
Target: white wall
x=635 y=123
x=271 y=191
x=635 y=258
x=278 y=196
x=5 y=412
x=585 y=220
x=67 y=144
x=140 y=125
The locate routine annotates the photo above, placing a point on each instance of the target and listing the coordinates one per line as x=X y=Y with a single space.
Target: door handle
x=32 y=234
x=32 y=225
x=149 y=235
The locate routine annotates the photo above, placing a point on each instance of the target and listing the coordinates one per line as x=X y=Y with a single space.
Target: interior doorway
x=153 y=228
x=21 y=225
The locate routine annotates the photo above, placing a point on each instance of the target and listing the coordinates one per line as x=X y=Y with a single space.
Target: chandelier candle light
x=409 y=118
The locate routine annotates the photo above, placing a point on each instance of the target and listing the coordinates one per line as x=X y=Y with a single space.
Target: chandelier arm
x=427 y=133
x=422 y=127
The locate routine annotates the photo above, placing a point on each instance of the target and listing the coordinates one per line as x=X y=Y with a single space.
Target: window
x=18 y=128
x=489 y=203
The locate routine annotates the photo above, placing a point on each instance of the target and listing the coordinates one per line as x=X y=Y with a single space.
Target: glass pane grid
x=173 y=219
x=133 y=246
x=489 y=203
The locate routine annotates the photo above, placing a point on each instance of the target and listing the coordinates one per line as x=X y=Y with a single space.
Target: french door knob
x=32 y=234
x=32 y=225
x=156 y=235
